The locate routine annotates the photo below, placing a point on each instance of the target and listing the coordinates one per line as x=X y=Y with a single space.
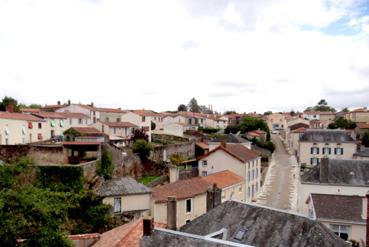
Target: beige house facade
x=276 y=121
x=143 y=122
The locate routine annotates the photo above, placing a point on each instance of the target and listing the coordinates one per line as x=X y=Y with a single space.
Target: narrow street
x=279 y=190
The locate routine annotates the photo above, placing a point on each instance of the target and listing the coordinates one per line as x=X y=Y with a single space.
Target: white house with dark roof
x=316 y=144
x=344 y=215
x=126 y=195
x=238 y=159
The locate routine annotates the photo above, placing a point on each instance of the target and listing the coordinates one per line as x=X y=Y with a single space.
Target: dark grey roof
x=338 y=207
x=265 y=227
x=344 y=172
x=364 y=152
x=122 y=186
x=229 y=138
x=337 y=136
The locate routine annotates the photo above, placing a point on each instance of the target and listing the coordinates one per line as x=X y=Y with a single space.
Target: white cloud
x=136 y=53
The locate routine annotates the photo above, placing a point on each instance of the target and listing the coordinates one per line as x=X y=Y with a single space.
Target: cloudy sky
x=240 y=55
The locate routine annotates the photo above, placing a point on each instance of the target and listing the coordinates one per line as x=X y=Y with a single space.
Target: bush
x=208 y=130
x=142 y=148
x=267 y=145
x=60 y=178
x=105 y=167
x=365 y=140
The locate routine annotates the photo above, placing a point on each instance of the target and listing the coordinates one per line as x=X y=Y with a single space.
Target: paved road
x=279 y=187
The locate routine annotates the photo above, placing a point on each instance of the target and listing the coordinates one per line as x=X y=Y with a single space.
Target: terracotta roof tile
x=238 y=151
x=52 y=115
x=363 y=125
x=87 y=130
x=20 y=116
x=223 y=179
x=73 y=115
x=299 y=130
x=30 y=110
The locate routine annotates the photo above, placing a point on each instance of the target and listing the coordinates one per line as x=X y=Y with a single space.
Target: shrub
x=142 y=148
x=105 y=167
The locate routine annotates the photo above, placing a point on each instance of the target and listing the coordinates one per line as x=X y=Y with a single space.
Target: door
x=52 y=133
x=30 y=138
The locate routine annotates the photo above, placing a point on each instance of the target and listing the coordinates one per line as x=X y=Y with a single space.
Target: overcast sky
x=246 y=55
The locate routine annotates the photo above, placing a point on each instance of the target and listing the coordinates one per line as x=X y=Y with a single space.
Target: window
x=223 y=195
x=314 y=150
x=341 y=230
x=61 y=123
x=248 y=192
x=80 y=121
x=70 y=121
x=204 y=163
x=6 y=141
x=118 y=119
x=143 y=118
x=204 y=173
x=39 y=125
x=338 y=151
x=326 y=150
x=188 y=221
x=314 y=161
x=115 y=130
x=117 y=205
x=248 y=176
x=188 y=205
x=240 y=189
x=106 y=119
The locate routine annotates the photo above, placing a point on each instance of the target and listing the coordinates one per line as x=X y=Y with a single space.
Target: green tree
x=7 y=101
x=35 y=106
x=153 y=125
x=365 y=139
x=323 y=106
x=268 y=113
x=342 y=123
x=345 y=109
x=252 y=123
x=105 y=166
x=139 y=134
x=193 y=106
x=142 y=148
x=230 y=112
x=182 y=107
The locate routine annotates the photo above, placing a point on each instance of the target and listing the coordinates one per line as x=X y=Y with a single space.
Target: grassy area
x=147 y=179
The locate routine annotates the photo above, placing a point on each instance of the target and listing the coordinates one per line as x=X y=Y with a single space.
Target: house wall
x=358 y=116
x=304 y=151
x=235 y=192
x=15 y=131
x=58 y=130
x=357 y=232
x=131 y=202
x=305 y=190
x=80 y=109
x=142 y=122
x=110 y=116
x=276 y=120
x=250 y=171
x=169 y=129
x=198 y=209
x=123 y=132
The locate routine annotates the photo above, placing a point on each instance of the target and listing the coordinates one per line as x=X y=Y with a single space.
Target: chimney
x=10 y=108
x=173 y=174
x=324 y=170
x=213 y=197
x=58 y=102
x=69 y=102
x=172 y=213
x=92 y=104
x=148 y=225
x=367 y=219
x=223 y=144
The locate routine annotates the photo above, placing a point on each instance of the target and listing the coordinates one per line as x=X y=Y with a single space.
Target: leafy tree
x=252 y=123
x=105 y=166
x=177 y=159
x=6 y=101
x=323 y=106
x=230 y=112
x=153 y=125
x=204 y=109
x=268 y=113
x=182 y=107
x=139 y=134
x=142 y=148
x=34 y=106
x=345 y=109
x=342 y=123
x=193 y=106
x=365 y=139
x=293 y=113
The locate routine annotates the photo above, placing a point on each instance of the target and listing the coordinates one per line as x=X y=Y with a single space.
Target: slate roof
x=122 y=186
x=337 y=136
x=338 y=207
x=20 y=116
x=343 y=172
x=265 y=227
x=364 y=152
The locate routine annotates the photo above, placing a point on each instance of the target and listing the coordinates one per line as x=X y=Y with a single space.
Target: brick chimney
x=324 y=170
x=367 y=219
x=148 y=225
x=213 y=197
x=69 y=102
x=172 y=213
x=92 y=104
x=10 y=108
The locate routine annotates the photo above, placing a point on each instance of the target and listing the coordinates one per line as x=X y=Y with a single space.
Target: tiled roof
x=363 y=125
x=102 y=109
x=119 y=124
x=229 y=138
x=188 y=188
x=127 y=235
x=30 y=110
x=238 y=151
x=87 y=130
x=338 y=207
x=261 y=226
x=122 y=186
x=146 y=113
x=359 y=110
x=202 y=145
x=73 y=115
x=299 y=130
x=19 y=116
x=52 y=115
x=181 y=189
x=338 y=136
x=223 y=179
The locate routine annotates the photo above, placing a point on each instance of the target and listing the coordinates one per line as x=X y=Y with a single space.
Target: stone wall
x=186 y=149
x=89 y=170
x=9 y=153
